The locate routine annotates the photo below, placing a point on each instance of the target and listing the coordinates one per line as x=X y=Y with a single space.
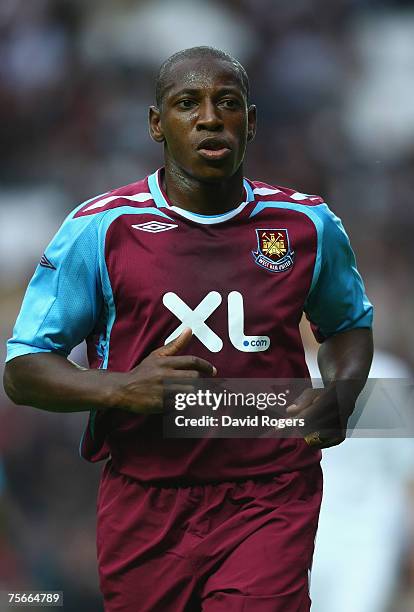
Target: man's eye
x=229 y=103
x=186 y=103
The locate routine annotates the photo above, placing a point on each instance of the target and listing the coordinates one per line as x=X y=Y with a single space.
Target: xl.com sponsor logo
x=196 y=320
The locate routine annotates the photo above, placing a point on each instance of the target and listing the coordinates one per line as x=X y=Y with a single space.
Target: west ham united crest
x=273 y=250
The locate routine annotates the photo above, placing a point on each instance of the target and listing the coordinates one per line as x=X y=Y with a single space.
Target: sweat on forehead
x=194 y=63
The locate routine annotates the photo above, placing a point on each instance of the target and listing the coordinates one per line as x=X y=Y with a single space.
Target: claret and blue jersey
x=127 y=271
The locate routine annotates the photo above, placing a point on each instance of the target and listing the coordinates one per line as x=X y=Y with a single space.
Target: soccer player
x=196 y=271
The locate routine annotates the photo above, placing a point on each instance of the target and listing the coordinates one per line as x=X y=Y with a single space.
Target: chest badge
x=273 y=250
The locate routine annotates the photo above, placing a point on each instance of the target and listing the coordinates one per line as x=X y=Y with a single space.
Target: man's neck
x=205 y=198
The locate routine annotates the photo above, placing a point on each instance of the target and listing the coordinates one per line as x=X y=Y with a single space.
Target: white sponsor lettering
x=196 y=320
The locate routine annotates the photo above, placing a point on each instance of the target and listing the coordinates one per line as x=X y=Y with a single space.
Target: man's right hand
x=52 y=382
x=142 y=389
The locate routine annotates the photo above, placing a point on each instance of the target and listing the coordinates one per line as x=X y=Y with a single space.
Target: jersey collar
x=161 y=202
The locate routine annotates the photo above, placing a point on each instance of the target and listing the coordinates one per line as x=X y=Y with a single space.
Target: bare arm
x=51 y=382
x=347 y=357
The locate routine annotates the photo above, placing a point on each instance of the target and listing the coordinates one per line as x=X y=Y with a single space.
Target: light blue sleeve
x=337 y=300
x=64 y=299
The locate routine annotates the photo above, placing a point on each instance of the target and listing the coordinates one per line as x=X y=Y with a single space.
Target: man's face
x=204 y=120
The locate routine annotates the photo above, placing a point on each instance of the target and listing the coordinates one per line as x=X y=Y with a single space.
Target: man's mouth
x=214 y=148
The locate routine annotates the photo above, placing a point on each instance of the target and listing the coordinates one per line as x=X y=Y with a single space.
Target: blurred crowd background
x=334 y=84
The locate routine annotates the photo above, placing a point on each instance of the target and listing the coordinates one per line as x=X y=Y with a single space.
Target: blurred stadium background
x=334 y=86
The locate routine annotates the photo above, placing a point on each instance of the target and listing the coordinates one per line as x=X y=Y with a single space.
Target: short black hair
x=198 y=52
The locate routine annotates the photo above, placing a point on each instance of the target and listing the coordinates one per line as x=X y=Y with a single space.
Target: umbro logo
x=154 y=227
x=45 y=263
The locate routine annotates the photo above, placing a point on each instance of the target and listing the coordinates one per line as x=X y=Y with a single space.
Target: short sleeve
x=337 y=300
x=63 y=300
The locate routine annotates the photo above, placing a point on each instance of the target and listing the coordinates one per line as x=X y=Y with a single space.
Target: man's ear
x=251 y=122
x=154 y=121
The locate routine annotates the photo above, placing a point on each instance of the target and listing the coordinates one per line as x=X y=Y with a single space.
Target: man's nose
x=209 y=117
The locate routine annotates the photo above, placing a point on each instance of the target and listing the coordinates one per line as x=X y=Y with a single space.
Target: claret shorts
x=223 y=547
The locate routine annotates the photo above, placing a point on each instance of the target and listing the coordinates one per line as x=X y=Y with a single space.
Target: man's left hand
x=326 y=413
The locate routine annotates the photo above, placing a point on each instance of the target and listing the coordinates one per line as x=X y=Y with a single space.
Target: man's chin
x=211 y=173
